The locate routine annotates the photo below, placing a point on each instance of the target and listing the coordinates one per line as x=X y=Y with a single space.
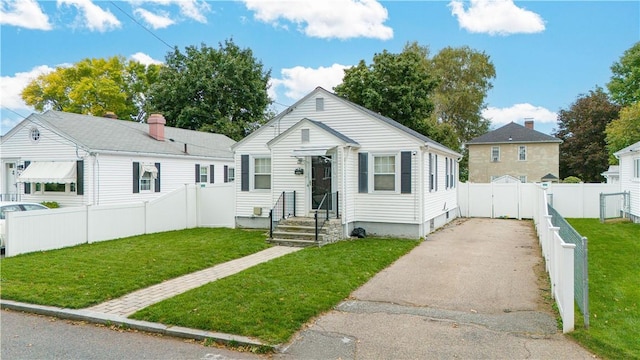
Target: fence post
x=585 y=282
x=567 y=288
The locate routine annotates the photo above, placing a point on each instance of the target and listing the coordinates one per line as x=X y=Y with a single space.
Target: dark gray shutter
x=244 y=172
x=211 y=174
x=27 y=186
x=197 y=173
x=436 y=167
x=363 y=172
x=136 y=177
x=446 y=172
x=405 y=172
x=226 y=173
x=80 y=177
x=157 y=182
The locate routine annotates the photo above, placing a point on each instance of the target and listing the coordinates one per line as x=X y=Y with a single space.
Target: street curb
x=146 y=326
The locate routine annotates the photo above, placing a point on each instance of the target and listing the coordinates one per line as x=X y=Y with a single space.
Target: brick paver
x=130 y=303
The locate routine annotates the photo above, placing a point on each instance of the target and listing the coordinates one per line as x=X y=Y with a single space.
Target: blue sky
x=546 y=53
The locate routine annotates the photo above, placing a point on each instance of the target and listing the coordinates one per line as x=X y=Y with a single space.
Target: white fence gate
x=188 y=207
x=516 y=200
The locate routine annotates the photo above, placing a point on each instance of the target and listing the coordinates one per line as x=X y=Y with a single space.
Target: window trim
x=394 y=156
x=491 y=157
x=522 y=147
x=254 y=173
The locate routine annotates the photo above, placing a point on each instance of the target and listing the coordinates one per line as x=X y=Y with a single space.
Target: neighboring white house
x=389 y=179
x=78 y=159
x=612 y=174
x=629 y=159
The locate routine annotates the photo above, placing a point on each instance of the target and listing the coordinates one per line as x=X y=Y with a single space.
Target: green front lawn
x=614 y=289
x=86 y=275
x=272 y=301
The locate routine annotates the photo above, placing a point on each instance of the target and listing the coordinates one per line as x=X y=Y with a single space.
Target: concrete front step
x=281 y=234
x=288 y=227
x=293 y=242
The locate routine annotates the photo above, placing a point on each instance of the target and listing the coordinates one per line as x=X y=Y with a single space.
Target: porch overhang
x=311 y=151
x=49 y=172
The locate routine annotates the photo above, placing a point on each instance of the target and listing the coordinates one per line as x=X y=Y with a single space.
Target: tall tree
x=395 y=85
x=94 y=86
x=464 y=77
x=222 y=90
x=624 y=86
x=583 y=152
x=623 y=131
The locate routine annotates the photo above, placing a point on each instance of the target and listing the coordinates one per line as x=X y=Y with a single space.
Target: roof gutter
x=174 y=156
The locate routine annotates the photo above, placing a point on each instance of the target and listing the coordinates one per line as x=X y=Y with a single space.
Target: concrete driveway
x=471 y=290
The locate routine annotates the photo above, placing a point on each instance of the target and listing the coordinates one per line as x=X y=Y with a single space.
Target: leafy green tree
x=623 y=131
x=624 y=86
x=94 y=86
x=464 y=77
x=571 y=180
x=221 y=90
x=395 y=85
x=583 y=151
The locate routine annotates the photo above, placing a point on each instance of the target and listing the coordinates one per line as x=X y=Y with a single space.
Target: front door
x=11 y=187
x=320 y=181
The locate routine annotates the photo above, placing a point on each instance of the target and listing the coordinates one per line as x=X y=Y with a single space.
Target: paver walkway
x=130 y=303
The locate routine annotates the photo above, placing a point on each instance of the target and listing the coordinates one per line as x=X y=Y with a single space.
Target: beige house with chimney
x=516 y=151
x=77 y=160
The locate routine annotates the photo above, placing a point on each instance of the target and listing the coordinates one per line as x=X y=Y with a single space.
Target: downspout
x=345 y=229
x=423 y=187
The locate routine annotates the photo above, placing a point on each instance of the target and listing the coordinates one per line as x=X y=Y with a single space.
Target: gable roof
x=372 y=114
x=513 y=133
x=322 y=126
x=629 y=149
x=99 y=134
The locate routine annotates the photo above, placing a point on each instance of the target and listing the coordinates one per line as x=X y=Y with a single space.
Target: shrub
x=572 y=180
x=51 y=204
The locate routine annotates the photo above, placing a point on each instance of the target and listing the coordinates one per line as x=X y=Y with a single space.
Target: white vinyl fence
x=516 y=200
x=559 y=259
x=187 y=207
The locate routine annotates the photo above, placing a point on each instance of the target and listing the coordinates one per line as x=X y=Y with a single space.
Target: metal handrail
x=319 y=208
x=281 y=210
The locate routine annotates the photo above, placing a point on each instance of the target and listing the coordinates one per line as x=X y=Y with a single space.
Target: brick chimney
x=156 y=126
x=528 y=124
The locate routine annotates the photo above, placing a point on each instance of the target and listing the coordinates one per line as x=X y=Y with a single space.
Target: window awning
x=49 y=172
x=149 y=168
x=315 y=151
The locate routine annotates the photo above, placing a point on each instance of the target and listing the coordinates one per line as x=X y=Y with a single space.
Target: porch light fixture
x=298 y=171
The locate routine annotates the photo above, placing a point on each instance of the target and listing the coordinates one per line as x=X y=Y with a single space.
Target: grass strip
x=271 y=301
x=614 y=289
x=89 y=274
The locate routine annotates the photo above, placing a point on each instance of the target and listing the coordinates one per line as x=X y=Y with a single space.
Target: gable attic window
x=304 y=135
x=319 y=104
x=34 y=134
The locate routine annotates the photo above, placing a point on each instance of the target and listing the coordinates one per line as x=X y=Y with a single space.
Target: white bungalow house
x=381 y=175
x=78 y=159
x=629 y=167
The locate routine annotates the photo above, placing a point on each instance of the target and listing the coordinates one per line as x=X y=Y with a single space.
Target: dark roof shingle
x=513 y=133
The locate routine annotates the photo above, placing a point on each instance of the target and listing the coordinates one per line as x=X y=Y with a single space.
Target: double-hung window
x=145 y=181
x=384 y=173
x=231 y=174
x=522 y=153
x=203 y=174
x=432 y=173
x=262 y=173
x=495 y=153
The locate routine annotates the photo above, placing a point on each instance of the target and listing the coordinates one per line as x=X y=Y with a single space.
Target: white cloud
x=92 y=16
x=12 y=86
x=342 y=19
x=144 y=59
x=156 y=21
x=518 y=112
x=192 y=9
x=496 y=17
x=299 y=81
x=24 y=13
